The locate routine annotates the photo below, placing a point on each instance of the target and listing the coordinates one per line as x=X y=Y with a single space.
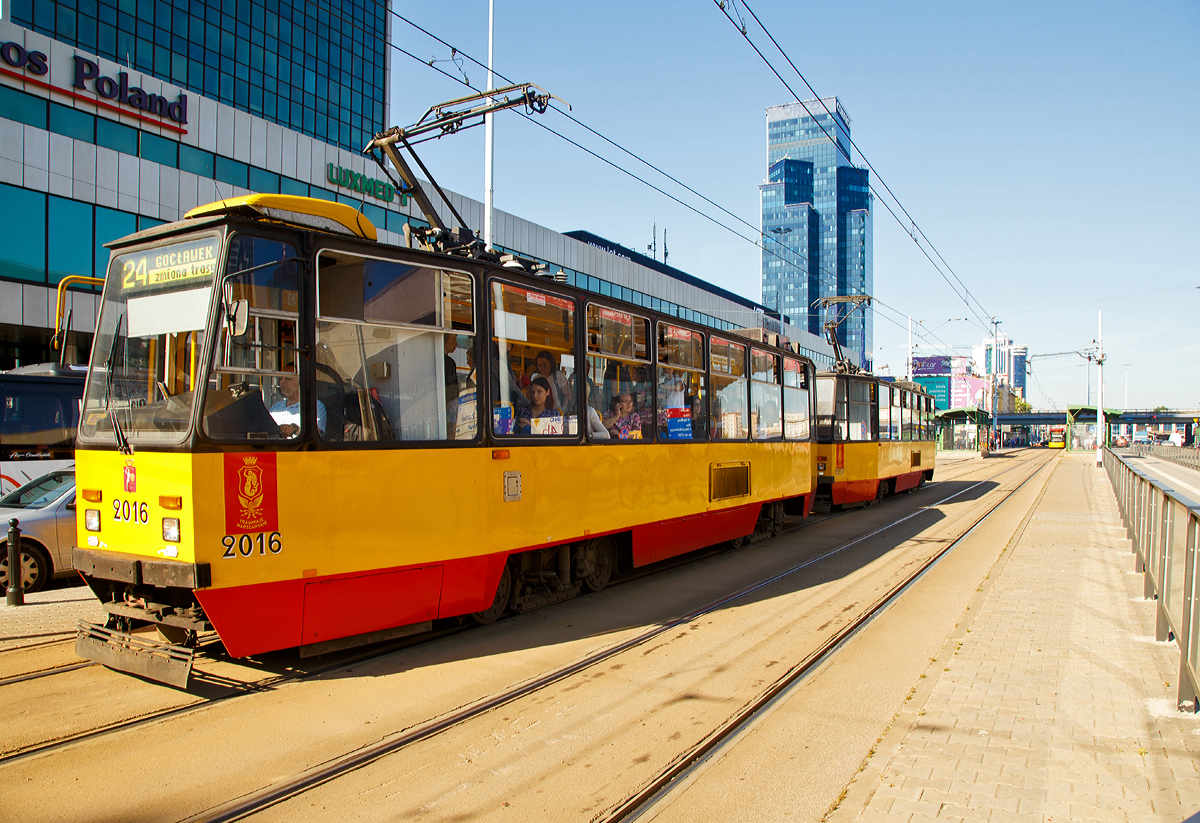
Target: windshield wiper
x=122 y=442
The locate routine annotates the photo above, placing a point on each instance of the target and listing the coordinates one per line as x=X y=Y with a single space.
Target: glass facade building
x=816 y=222
x=319 y=68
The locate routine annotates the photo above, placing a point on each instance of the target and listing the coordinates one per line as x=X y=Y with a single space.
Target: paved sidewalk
x=1058 y=705
x=47 y=616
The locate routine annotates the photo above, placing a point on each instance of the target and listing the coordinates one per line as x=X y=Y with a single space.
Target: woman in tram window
x=540 y=417
x=547 y=368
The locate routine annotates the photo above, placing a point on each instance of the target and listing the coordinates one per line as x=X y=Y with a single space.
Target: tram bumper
x=144 y=656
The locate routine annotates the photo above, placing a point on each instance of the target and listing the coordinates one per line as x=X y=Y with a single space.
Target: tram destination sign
x=166 y=266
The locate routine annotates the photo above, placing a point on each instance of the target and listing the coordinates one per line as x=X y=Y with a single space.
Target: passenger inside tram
x=540 y=417
x=624 y=422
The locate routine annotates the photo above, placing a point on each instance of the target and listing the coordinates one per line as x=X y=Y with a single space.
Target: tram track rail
x=659 y=792
x=296 y=785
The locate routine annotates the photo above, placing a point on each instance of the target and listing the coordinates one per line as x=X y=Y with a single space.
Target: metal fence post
x=1162 y=625
x=16 y=592
x=1188 y=690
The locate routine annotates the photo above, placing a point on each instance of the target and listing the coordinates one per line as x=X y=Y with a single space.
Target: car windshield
x=148 y=340
x=39 y=493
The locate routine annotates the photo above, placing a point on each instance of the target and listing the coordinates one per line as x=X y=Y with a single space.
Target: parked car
x=45 y=511
x=1120 y=442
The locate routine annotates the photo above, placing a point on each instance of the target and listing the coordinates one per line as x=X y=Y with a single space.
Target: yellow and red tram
x=301 y=437
x=875 y=438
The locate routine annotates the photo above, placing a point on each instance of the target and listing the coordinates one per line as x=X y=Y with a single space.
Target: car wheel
x=35 y=567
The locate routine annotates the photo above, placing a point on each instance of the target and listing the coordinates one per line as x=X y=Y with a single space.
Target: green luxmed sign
x=379 y=189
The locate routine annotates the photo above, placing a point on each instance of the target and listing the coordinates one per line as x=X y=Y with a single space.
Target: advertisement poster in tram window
x=465 y=422
x=679 y=424
x=251 y=493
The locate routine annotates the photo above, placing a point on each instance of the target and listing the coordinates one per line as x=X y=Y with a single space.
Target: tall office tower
x=816 y=221
x=316 y=68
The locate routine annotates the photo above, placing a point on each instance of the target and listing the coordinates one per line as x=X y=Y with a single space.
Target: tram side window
x=885 y=411
x=896 y=415
x=728 y=404
x=766 y=419
x=618 y=375
x=532 y=355
x=859 y=410
x=906 y=412
x=394 y=350
x=826 y=393
x=680 y=384
x=254 y=387
x=795 y=400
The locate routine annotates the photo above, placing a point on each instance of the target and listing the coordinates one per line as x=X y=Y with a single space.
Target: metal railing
x=1165 y=529
x=1189 y=458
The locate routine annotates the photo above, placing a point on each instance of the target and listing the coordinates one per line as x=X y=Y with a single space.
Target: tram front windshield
x=150 y=333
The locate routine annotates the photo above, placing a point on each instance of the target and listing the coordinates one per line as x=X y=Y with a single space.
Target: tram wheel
x=777 y=520
x=499 y=602
x=603 y=561
x=738 y=542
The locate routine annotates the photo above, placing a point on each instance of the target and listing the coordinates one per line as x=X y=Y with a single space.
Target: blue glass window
x=23 y=254
x=22 y=107
x=117 y=137
x=231 y=171
x=70 y=247
x=159 y=150
x=72 y=123
x=196 y=161
x=264 y=182
x=110 y=225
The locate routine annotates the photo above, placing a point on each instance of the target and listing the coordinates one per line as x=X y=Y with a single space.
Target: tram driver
x=286 y=410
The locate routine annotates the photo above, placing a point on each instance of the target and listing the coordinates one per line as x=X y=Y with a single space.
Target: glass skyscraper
x=816 y=221
x=319 y=68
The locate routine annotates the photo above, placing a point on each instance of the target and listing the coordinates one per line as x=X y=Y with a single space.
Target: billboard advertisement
x=930 y=366
x=966 y=390
x=939 y=387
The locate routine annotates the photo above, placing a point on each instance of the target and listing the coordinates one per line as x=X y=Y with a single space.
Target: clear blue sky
x=1049 y=151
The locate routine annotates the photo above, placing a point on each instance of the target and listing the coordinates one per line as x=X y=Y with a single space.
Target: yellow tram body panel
x=351 y=511
x=294 y=548
x=856 y=469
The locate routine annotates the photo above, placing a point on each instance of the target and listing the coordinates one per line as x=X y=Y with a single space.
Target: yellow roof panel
x=310 y=212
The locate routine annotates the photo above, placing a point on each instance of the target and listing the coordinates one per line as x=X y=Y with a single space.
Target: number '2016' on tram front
x=327 y=440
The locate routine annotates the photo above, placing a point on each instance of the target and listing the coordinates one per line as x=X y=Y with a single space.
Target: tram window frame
x=761 y=394
x=496 y=324
x=715 y=414
x=694 y=377
x=906 y=412
x=274 y=362
x=794 y=395
x=366 y=417
x=884 y=412
x=617 y=376
x=861 y=397
x=897 y=416
x=827 y=408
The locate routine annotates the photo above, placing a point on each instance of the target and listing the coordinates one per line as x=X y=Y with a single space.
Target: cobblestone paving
x=1059 y=705
x=47 y=616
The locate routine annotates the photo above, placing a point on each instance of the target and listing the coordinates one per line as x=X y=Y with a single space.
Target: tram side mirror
x=237 y=317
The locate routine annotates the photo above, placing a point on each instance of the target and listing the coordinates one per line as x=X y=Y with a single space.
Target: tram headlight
x=91 y=520
x=171 y=529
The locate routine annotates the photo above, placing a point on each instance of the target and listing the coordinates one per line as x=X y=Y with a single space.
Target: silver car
x=45 y=511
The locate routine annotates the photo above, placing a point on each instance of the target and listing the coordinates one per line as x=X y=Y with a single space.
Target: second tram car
x=300 y=437
x=1058 y=437
x=874 y=438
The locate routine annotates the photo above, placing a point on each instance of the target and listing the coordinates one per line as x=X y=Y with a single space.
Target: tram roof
x=310 y=212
